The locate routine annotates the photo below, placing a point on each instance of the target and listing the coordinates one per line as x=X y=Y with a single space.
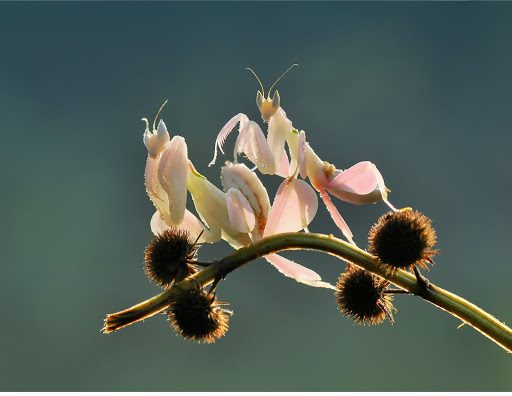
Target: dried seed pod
x=168 y=256
x=403 y=238
x=197 y=316
x=360 y=296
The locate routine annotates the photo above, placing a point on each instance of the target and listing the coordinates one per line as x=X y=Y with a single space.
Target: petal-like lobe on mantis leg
x=336 y=216
x=384 y=193
x=294 y=207
x=303 y=169
x=155 y=190
x=225 y=131
x=284 y=166
x=279 y=127
x=157 y=224
x=173 y=175
x=211 y=206
x=190 y=223
x=296 y=271
x=241 y=215
x=361 y=184
x=240 y=177
x=361 y=179
x=252 y=142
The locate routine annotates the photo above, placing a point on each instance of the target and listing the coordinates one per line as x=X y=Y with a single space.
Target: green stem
x=447 y=301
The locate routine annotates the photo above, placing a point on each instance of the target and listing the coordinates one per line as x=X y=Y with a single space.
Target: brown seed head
x=197 y=316
x=402 y=239
x=167 y=257
x=360 y=296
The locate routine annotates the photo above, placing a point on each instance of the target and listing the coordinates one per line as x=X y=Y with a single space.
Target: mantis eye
x=276 y=100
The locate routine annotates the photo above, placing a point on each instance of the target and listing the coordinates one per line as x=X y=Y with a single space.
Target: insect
x=268 y=106
x=267 y=153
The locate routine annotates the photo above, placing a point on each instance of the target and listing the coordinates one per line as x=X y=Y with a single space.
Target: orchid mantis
x=293 y=209
x=240 y=215
x=360 y=184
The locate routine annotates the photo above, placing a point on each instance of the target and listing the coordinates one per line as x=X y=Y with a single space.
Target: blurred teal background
x=423 y=90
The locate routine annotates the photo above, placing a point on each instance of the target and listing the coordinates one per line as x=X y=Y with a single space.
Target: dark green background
x=424 y=90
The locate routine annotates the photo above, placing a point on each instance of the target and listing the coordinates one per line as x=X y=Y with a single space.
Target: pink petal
x=255 y=147
x=241 y=215
x=225 y=131
x=296 y=271
x=294 y=207
x=336 y=216
x=173 y=175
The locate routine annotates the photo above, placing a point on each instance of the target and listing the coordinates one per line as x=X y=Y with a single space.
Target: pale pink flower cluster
x=241 y=213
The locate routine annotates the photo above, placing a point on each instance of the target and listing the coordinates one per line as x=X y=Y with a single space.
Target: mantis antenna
x=281 y=76
x=257 y=78
x=158 y=113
